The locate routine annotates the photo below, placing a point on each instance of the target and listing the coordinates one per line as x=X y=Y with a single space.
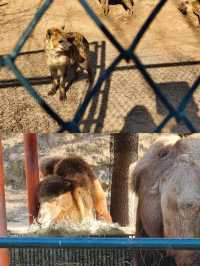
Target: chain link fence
x=129 y=54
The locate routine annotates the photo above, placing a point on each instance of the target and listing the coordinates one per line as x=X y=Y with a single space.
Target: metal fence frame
x=100 y=242
x=128 y=54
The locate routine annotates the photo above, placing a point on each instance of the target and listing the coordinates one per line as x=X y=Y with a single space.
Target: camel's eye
x=163 y=153
x=61 y=41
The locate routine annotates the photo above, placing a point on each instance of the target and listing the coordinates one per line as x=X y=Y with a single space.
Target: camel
x=167 y=183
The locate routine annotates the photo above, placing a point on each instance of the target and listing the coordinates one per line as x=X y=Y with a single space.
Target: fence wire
x=86 y=257
x=72 y=257
x=179 y=112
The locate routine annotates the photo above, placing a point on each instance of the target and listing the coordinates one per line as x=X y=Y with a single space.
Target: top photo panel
x=99 y=66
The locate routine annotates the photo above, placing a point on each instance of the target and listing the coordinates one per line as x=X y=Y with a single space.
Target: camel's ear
x=137 y=170
x=47 y=164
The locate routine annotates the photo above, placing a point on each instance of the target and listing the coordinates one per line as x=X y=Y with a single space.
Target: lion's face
x=56 y=39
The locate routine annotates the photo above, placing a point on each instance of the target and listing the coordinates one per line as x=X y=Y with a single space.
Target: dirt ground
x=170 y=51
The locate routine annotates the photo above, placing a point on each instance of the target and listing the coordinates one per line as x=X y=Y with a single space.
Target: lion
x=167 y=182
x=70 y=191
x=128 y=4
x=66 y=51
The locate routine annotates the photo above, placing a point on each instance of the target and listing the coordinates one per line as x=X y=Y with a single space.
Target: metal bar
x=175 y=113
x=105 y=75
x=93 y=242
x=32 y=173
x=147 y=24
x=26 y=84
x=163 y=123
x=4 y=253
x=186 y=99
x=103 y=28
x=26 y=34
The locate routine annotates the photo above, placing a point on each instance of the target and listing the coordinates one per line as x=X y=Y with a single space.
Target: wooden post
x=32 y=173
x=4 y=253
x=125 y=152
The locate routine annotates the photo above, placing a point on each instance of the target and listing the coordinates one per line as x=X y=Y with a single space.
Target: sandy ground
x=125 y=102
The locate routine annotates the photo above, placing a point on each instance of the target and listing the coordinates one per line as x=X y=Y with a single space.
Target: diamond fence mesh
x=101 y=86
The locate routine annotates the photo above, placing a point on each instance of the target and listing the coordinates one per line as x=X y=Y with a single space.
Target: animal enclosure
x=134 y=90
x=109 y=250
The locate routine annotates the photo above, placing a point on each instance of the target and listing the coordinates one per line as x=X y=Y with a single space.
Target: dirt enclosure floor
x=170 y=51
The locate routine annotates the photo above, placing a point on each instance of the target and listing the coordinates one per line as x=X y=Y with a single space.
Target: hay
x=88 y=227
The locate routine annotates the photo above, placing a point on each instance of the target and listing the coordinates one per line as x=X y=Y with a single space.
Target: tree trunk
x=125 y=152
